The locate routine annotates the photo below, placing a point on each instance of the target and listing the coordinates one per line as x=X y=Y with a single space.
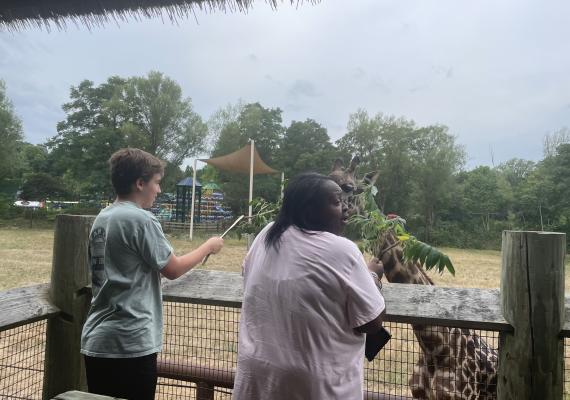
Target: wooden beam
x=413 y=304
x=25 y=305
x=64 y=369
x=532 y=299
x=76 y=395
x=207 y=377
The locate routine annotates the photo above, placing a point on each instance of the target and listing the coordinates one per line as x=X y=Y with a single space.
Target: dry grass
x=26 y=256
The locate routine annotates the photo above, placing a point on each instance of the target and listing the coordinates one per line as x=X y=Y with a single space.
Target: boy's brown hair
x=128 y=165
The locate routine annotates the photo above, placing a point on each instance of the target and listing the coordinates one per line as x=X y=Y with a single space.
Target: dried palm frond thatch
x=17 y=15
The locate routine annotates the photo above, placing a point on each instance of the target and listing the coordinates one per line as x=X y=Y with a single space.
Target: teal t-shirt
x=127 y=250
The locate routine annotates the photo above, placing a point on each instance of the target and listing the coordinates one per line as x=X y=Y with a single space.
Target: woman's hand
x=376 y=266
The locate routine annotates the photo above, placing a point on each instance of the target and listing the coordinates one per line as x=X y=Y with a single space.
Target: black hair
x=304 y=197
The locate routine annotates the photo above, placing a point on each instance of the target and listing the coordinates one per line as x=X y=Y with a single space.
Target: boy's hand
x=215 y=244
x=375 y=265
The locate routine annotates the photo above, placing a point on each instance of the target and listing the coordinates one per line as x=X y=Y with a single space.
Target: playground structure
x=40 y=326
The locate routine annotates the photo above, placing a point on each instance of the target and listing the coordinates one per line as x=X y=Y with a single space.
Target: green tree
x=516 y=173
x=555 y=139
x=362 y=139
x=34 y=158
x=222 y=118
x=167 y=125
x=548 y=191
x=385 y=145
x=42 y=186
x=435 y=159
x=95 y=127
x=483 y=196
x=144 y=112
x=11 y=137
x=306 y=146
x=208 y=174
x=172 y=175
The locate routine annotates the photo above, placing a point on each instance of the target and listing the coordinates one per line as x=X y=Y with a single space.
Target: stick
x=224 y=234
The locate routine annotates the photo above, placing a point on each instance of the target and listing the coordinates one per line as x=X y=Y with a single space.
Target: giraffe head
x=350 y=185
x=345 y=178
x=391 y=253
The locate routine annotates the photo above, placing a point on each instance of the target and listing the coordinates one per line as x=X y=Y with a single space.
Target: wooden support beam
x=64 y=369
x=531 y=360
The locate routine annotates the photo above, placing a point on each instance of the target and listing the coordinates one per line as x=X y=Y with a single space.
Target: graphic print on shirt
x=97 y=257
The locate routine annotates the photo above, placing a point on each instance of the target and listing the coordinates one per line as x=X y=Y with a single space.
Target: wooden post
x=532 y=301
x=204 y=391
x=70 y=275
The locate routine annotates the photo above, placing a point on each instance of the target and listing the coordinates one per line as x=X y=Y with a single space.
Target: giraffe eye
x=347 y=187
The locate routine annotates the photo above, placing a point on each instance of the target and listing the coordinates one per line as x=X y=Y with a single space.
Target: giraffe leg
x=420 y=380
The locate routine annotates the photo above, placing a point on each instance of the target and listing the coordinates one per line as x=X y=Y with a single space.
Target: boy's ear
x=139 y=184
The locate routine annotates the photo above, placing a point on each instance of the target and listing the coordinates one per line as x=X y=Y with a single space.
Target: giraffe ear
x=355 y=161
x=338 y=164
x=371 y=177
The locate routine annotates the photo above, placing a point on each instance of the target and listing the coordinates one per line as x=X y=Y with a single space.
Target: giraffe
x=454 y=363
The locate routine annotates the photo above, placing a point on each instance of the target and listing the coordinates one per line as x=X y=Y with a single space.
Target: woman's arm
x=373 y=326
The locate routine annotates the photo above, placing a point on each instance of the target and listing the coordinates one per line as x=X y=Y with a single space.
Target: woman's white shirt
x=301 y=305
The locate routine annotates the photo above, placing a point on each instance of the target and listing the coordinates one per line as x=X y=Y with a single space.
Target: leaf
x=432 y=259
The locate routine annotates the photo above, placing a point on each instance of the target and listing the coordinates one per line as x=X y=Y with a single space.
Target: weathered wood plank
x=76 y=395
x=64 y=369
x=566 y=328
x=455 y=307
x=206 y=287
x=417 y=304
x=25 y=305
x=532 y=300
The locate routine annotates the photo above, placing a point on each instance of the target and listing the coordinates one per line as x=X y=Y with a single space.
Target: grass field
x=26 y=257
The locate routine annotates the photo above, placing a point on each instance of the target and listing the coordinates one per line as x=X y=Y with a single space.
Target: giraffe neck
x=398 y=271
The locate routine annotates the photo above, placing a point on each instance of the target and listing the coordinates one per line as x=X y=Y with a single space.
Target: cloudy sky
x=496 y=73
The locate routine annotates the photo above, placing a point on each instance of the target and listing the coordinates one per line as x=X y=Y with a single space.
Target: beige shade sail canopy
x=239 y=161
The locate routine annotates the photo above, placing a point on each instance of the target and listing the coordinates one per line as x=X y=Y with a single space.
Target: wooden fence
x=530 y=312
x=202 y=227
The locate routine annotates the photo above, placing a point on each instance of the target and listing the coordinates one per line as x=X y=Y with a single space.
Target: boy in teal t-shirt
x=128 y=253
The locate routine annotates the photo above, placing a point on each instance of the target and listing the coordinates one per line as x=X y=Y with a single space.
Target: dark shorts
x=126 y=378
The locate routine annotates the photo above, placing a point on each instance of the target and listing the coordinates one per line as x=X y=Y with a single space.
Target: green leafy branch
x=374 y=228
x=263 y=212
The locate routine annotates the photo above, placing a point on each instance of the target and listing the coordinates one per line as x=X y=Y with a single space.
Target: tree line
x=422 y=174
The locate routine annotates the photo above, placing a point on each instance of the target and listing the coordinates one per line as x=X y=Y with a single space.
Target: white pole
x=282 y=183
x=192 y=206
x=252 y=144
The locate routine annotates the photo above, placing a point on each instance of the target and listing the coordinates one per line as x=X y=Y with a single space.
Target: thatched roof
x=21 y=14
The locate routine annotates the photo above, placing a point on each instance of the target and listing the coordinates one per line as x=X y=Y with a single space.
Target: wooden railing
x=530 y=312
x=202 y=227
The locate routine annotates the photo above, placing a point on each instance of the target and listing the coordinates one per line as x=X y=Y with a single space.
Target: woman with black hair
x=309 y=298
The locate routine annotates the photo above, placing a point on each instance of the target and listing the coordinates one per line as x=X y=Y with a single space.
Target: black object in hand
x=375 y=342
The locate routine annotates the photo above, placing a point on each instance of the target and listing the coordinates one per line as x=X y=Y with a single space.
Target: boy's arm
x=178 y=266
